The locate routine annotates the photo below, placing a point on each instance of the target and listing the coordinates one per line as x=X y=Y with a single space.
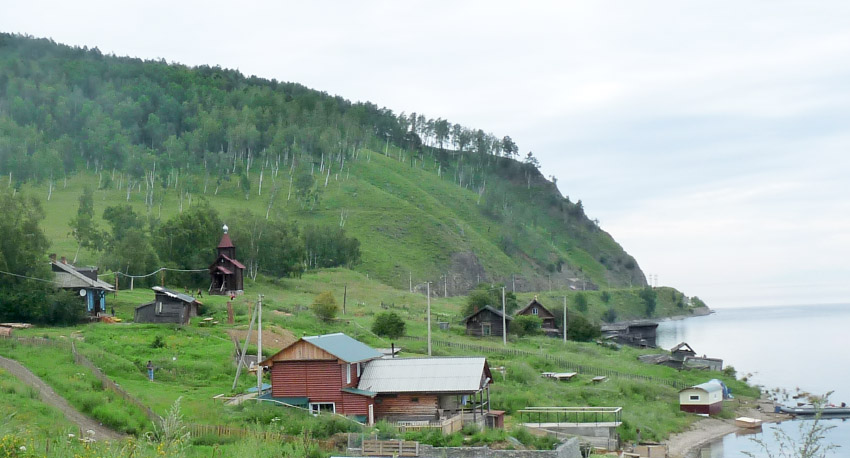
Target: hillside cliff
x=428 y=200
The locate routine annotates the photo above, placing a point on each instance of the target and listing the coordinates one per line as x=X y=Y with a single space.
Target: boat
x=748 y=423
x=810 y=411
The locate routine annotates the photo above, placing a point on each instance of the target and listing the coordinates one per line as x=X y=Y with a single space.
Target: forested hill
x=425 y=198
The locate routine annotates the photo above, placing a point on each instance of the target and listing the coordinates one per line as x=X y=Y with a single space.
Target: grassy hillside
x=427 y=199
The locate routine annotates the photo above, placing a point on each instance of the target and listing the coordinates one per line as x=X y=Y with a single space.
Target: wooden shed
x=167 y=307
x=226 y=272
x=705 y=398
x=535 y=308
x=487 y=322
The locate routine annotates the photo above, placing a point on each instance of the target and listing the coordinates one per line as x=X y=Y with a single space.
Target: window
x=485 y=329
x=534 y=311
x=322 y=407
x=158 y=308
x=348 y=373
x=414 y=399
x=694 y=397
x=359 y=366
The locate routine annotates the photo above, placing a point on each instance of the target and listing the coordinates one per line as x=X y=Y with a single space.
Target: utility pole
x=410 y=280
x=344 y=297
x=504 y=320
x=446 y=285
x=429 y=316
x=513 y=284
x=259 y=346
x=565 y=319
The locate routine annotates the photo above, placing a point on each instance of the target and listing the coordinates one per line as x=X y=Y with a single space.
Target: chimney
x=52 y=257
x=64 y=261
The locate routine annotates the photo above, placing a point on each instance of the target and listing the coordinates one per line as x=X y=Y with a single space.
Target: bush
x=325 y=307
x=158 y=342
x=610 y=315
x=580 y=302
x=388 y=324
x=649 y=299
x=526 y=325
x=605 y=296
x=582 y=330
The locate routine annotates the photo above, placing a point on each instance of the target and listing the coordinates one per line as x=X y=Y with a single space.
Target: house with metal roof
x=226 y=271
x=168 y=306
x=321 y=373
x=428 y=388
x=705 y=398
x=336 y=373
x=83 y=281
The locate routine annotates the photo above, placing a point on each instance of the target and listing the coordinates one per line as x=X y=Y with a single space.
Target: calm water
x=802 y=347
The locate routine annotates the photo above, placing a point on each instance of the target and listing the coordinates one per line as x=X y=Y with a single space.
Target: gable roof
x=344 y=347
x=682 y=346
x=533 y=302
x=491 y=309
x=425 y=375
x=235 y=262
x=174 y=294
x=67 y=276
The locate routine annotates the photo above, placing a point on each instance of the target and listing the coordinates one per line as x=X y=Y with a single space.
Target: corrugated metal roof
x=344 y=347
x=420 y=375
x=708 y=387
x=371 y=394
x=69 y=277
x=174 y=294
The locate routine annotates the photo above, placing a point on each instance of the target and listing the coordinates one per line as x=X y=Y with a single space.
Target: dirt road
x=50 y=397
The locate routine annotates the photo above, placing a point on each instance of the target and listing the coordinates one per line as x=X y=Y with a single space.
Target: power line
x=24 y=276
x=158 y=271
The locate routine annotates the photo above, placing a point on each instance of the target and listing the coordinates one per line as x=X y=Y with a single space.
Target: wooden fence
x=373 y=447
x=109 y=384
x=447 y=426
x=557 y=360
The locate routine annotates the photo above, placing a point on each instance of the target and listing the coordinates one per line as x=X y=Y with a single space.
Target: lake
x=788 y=347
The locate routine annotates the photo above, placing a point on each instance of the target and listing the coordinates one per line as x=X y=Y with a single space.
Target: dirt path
x=49 y=396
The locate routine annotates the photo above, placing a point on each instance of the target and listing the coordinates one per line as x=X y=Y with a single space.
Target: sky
x=709 y=138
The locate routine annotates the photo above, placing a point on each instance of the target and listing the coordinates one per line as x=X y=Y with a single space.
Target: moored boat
x=810 y=411
x=747 y=422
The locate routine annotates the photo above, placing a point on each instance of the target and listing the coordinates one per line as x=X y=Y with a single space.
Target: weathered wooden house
x=167 y=307
x=487 y=322
x=429 y=388
x=83 y=281
x=705 y=398
x=535 y=308
x=681 y=351
x=321 y=373
x=641 y=334
x=226 y=272
x=335 y=373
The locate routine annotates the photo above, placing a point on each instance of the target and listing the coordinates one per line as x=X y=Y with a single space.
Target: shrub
x=158 y=342
x=580 y=302
x=388 y=324
x=582 y=330
x=649 y=299
x=525 y=325
x=605 y=296
x=324 y=306
x=610 y=315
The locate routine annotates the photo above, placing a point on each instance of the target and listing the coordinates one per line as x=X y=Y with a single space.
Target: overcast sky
x=709 y=138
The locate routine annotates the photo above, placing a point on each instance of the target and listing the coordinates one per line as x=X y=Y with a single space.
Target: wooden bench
x=599 y=379
x=564 y=376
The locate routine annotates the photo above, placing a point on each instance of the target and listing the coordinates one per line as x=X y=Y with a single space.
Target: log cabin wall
x=409 y=406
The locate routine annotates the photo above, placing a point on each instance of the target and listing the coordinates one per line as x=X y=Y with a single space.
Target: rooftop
x=343 y=347
x=432 y=375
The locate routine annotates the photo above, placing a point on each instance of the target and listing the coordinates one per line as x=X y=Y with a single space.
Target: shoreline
x=687 y=443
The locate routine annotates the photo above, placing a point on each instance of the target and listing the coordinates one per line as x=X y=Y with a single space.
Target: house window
x=322 y=407
x=534 y=311
x=359 y=366
x=486 y=329
x=414 y=399
x=348 y=373
x=158 y=308
x=694 y=397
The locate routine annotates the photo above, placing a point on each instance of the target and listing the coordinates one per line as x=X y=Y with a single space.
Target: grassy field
x=196 y=363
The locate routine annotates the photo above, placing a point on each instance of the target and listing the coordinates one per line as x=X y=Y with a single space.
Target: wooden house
x=226 y=272
x=83 y=281
x=335 y=373
x=705 y=398
x=535 y=308
x=681 y=351
x=321 y=373
x=487 y=322
x=429 y=388
x=167 y=307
